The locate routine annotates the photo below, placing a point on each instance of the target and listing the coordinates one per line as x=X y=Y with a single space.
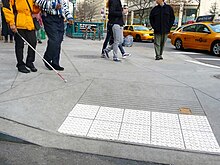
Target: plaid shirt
x=49 y=6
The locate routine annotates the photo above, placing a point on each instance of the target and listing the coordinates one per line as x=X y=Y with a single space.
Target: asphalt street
x=204 y=57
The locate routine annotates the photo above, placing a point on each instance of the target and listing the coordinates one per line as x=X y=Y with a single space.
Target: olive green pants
x=159 y=43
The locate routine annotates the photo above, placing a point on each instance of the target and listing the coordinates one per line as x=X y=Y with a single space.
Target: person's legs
x=51 y=26
x=31 y=39
x=60 y=31
x=107 y=38
x=163 y=41
x=38 y=35
x=118 y=39
x=157 y=45
x=19 y=46
x=121 y=49
x=6 y=38
x=11 y=38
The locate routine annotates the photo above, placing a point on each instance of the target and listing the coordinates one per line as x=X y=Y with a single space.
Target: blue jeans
x=54 y=28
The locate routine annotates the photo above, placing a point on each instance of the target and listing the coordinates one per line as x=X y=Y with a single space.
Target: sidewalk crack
x=71 y=62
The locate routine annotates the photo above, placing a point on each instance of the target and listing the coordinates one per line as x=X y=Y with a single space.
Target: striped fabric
x=49 y=6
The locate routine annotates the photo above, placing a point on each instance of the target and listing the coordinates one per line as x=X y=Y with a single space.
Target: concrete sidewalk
x=34 y=106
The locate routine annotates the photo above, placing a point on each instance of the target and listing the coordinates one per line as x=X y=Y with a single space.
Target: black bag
x=35 y=21
x=36 y=24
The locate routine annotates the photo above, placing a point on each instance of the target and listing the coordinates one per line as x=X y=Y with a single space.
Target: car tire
x=179 y=44
x=138 y=38
x=216 y=48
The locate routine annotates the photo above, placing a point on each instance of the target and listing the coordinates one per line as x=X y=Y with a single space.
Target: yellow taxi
x=201 y=36
x=138 y=32
x=173 y=29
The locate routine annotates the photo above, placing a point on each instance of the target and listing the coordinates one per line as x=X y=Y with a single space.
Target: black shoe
x=48 y=67
x=106 y=53
x=116 y=60
x=31 y=67
x=57 y=67
x=23 y=69
x=159 y=58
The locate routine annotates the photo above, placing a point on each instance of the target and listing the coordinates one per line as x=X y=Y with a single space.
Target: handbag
x=35 y=21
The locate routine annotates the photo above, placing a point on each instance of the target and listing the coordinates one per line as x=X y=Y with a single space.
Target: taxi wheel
x=179 y=44
x=138 y=38
x=216 y=48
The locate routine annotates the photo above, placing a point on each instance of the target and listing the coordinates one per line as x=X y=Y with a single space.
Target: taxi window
x=126 y=27
x=131 y=28
x=215 y=27
x=202 y=28
x=191 y=28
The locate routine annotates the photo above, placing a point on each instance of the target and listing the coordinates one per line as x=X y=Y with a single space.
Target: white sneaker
x=125 y=55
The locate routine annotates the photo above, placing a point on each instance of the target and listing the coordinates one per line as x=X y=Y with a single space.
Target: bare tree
x=80 y=13
x=86 y=11
x=140 y=5
x=90 y=11
x=214 y=9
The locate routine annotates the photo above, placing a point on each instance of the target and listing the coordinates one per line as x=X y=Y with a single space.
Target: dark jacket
x=162 y=19
x=5 y=27
x=115 y=15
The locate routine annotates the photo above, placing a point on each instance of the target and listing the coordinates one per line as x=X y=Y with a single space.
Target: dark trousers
x=30 y=36
x=108 y=37
x=11 y=37
x=54 y=28
x=159 y=43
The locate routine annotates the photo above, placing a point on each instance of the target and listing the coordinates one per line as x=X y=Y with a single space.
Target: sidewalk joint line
x=71 y=62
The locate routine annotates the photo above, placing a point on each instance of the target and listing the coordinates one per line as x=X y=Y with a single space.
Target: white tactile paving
x=135 y=133
x=185 y=132
x=110 y=114
x=75 y=126
x=165 y=120
x=201 y=141
x=195 y=123
x=84 y=111
x=104 y=130
x=167 y=137
x=136 y=117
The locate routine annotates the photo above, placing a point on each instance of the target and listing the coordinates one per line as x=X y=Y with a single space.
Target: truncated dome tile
x=104 y=130
x=169 y=137
x=202 y=141
x=75 y=126
x=136 y=117
x=135 y=133
x=165 y=120
x=110 y=114
x=195 y=123
x=84 y=111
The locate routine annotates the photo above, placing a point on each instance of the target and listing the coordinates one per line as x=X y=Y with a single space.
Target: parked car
x=201 y=36
x=139 y=32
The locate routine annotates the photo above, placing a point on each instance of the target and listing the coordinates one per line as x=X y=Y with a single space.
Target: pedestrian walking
x=110 y=40
x=53 y=14
x=19 y=17
x=6 y=31
x=161 y=19
x=115 y=17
